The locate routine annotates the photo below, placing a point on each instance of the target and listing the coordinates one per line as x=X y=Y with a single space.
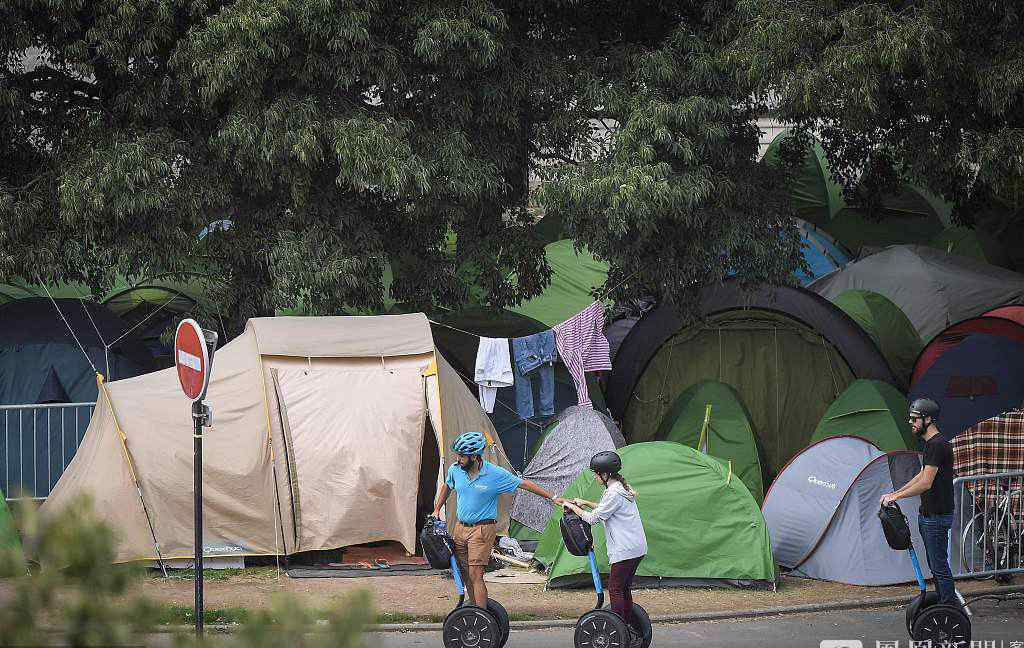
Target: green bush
x=74 y=587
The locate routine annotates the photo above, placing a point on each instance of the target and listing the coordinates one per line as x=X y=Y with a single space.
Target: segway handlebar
x=596 y=575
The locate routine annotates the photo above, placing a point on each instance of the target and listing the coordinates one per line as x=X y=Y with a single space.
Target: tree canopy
x=926 y=91
x=346 y=141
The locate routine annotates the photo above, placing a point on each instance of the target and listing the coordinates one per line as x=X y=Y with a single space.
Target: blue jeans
x=535 y=356
x=935 y=533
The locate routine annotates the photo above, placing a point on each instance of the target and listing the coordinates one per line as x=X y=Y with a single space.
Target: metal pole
x=197 y=438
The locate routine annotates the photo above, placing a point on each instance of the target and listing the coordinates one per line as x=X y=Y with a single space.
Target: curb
x=660 y=618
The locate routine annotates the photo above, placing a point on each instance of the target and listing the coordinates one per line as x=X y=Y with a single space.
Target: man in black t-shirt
x=935 y=486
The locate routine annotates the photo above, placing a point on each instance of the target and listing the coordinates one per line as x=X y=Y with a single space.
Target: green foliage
x=76 y=591
x=74 y=585
x=928 y=91
x=673 y=198
x=347 y=139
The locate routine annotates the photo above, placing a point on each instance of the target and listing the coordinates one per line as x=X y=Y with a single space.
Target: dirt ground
x=431 y=596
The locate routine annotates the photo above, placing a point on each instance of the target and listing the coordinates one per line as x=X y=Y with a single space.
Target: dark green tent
x=12 y=558
x=887 y=325
x=728 y=434
x=574 y=277
x=702 y=525
x=872 y=410
x=973 y=244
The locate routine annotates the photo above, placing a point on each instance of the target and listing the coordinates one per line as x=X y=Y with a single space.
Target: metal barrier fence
x=988 y=528
x=39 y=442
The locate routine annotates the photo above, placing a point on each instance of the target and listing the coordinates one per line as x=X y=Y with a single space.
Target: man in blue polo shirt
x=478 y=484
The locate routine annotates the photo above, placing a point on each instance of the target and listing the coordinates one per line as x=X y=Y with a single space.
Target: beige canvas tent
x=326 y=433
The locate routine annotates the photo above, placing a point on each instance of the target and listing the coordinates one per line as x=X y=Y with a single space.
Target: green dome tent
x=729 y=435
x=703 y=527
x=887 y=325
x=872 y=410
x=911 y=214
x=973 y=244
x=574 y=277
x=816 y=197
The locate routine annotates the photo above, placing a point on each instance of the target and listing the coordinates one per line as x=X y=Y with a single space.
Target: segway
x=600 y=627
x=926 y=619
x=467 y=626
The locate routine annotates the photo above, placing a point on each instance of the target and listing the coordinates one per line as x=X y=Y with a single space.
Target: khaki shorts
x=473 y=544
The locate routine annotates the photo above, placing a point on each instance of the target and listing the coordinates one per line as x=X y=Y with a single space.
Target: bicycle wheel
x=977 y=552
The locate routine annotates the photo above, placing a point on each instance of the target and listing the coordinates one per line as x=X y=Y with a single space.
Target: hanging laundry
x=493 y=370
x=583 y=346
x=535 y=355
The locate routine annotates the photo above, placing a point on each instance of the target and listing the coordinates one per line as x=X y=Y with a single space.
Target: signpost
x=193 y=357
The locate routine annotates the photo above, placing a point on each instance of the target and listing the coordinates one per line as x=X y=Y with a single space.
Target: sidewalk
x=429 y=598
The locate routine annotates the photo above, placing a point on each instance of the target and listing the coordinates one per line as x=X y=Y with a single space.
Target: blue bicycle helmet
x=470 y=443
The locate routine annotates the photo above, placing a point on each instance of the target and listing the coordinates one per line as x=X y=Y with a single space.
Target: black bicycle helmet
x=606 y=462
x=925 y=408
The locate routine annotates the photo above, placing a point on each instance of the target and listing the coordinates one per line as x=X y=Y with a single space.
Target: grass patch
x=176 y=614
x=208 y=574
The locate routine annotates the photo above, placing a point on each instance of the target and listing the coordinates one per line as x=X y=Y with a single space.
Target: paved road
x=1002 y=623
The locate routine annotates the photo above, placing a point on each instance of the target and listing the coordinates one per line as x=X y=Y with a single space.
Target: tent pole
x=131 y=468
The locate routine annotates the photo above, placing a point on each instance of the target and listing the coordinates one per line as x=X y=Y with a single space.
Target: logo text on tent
x=971 y=386
x=818 y=482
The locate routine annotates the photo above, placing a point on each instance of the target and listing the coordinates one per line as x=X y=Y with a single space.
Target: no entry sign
x=192 y=359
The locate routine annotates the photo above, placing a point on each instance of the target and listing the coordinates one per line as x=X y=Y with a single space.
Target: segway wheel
x=601 y=629
x=943 y=625
x=644 y=625
x=919 y=602
x=470 y=627
x=501 y=616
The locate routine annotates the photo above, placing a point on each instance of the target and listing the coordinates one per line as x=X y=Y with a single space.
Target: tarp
x=320 y=440
x=995 y=445
x=888 y=327
x=974 y=370
x=932 y=288
x=565 y=451
x=872 y=410
x=728 y=434
x=703 y=527
x=821 y=513
x=787 y=352
x=574 y=277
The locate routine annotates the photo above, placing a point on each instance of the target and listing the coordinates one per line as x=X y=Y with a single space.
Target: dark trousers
x=619 y=581
x=935 y=533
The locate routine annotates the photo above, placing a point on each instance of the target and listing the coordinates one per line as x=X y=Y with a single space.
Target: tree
x=672 y=196
x=336 y=137
x=930 y=92
x=345 y=140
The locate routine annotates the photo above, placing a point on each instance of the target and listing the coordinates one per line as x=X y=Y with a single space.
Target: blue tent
x=981 y=377
x=822 y=253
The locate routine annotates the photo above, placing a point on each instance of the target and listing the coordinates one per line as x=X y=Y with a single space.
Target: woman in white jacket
x=623 y=530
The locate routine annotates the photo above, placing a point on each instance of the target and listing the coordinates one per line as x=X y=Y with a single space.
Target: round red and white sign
x=192 y=359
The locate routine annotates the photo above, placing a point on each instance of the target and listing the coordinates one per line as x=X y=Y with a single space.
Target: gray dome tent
x=821 y=513
x=578 y=434
x=934 y=289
